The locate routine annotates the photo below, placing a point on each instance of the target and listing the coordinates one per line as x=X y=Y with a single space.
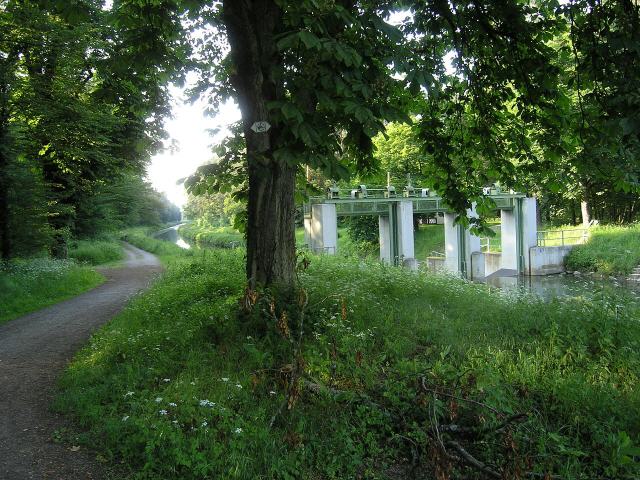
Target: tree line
x=81 y=112
x=537 y=95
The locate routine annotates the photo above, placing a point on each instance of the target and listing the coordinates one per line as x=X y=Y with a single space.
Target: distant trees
x=80 y=113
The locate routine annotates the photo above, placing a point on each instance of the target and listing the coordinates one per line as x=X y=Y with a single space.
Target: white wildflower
x=163 y=412
x=158 y=399
x=237 y=430
x=171 y=404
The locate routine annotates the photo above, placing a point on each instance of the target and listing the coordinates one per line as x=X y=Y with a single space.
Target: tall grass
x=96 y=252
x=610 y=250
x=30 y=284
x=185 y=384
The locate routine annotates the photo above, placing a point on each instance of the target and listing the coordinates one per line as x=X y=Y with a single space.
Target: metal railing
x=559 y=238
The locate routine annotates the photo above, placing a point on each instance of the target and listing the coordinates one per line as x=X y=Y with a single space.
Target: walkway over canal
x=395 y=219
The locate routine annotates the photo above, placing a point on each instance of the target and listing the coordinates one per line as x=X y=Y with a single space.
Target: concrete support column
x=508 y=239
x=307 y=231
x=460 y=244
x=529 y=229
x=451 y=243
x=406 y=244
x=519 y=232
x=396 y=234
x=324 y=228
x=385 y=239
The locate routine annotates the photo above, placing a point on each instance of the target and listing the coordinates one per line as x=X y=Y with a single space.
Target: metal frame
x=351 y=207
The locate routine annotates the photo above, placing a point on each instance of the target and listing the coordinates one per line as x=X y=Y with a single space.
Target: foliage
x=611 y=250
x=31 y=284
x=82 y=96
x=181 y=386
x=363 y=229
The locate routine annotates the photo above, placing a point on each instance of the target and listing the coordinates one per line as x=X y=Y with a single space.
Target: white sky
x=188 y=129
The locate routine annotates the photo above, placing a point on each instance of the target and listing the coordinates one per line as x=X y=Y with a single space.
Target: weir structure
x=395 y=212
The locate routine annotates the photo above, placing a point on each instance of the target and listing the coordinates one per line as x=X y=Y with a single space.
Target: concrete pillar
x=451 y=247
x=406 y=244
x=385 y=239
x=307 y=231
x=460 y=244
x=324 y=228
x=508 y=236
x=529 y=229
x=401 y=213
x=516 y=223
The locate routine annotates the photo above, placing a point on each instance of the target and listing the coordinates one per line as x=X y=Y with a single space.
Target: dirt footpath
x=34 y=349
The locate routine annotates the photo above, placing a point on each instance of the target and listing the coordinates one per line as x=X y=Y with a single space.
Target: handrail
x=559 y=238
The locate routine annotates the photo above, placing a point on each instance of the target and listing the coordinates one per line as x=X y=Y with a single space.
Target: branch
x=473 y=461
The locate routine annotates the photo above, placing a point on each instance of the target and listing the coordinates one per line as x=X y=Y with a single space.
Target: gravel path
x=33 y=351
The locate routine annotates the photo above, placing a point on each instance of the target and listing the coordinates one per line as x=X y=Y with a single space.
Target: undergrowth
x=96 y=252
x=29 y=284
x=366 y=372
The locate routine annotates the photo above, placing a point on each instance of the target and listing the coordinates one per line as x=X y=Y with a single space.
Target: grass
x=30 y=284
x=185 y=384
x=610 y=250
x=96 y=252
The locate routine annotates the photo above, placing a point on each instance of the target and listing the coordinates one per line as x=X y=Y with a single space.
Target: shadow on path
x=34 y=350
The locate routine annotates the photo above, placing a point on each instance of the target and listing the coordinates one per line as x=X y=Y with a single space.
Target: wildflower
x=166 y=380
x=128 y=394
x=239 y=386
x=125 y=418
x=204 y=424
x=207 y=403
x=272 y=392
x=237 y=430
x=163 y=412
x=158 y=399
x=171 y=404
x=224 y=379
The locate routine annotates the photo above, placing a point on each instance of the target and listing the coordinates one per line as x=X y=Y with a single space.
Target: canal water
x=171 y=235
x=547 y=287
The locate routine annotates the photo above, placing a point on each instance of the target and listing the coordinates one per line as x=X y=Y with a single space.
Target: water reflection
x=171 y=235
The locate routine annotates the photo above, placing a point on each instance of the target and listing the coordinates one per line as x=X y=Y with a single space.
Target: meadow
x=367 y=371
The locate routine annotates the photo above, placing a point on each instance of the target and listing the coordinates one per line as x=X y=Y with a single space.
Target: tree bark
x=251 y=28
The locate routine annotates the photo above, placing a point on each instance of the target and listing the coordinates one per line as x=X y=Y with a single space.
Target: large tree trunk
x=251 y=27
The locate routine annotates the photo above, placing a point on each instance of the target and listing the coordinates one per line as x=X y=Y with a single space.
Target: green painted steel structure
x=371 y=205
x=384 y=202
